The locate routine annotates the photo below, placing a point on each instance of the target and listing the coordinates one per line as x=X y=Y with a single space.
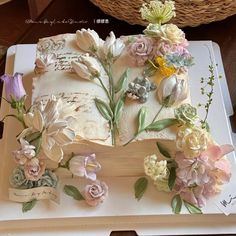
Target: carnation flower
x=95 y=193
x=141 y=50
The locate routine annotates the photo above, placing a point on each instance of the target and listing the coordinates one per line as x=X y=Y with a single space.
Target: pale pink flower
x=95 y=193
x=34 y=169
x=84 y=166
x=141 y=50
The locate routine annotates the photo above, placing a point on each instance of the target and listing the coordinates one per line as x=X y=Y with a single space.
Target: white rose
x=88 y=40
x=191 y=141
x=172 y=34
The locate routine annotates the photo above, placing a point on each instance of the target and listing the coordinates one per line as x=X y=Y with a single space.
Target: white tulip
x=112 y=46
x=172 y=91
x=87 y=67
x=88 y=40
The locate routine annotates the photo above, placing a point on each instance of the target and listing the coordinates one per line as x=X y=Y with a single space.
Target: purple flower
x=84 y=166
x=13 y=87
x=141 y=50
x=95 y=193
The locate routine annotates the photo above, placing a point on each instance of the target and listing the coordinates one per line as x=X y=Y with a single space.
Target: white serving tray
x=152 y=215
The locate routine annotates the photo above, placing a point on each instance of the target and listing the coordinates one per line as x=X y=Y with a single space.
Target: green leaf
x=172 y=178
x=73 y=192
x=163 y=150
x=161 y=124
x=121 y=83
x=37 y=144
x=192 y=208
x=119 y=108
x=140 y=187
x=27 y=206
x=104 y=109
x=176 y=204
x=141 y=119
x=32 y=137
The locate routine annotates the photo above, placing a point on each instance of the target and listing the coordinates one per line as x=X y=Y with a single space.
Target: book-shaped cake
x=98 y=104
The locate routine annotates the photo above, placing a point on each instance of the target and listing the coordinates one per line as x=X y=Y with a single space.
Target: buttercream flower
x=26 y=152
x=186 y=114
x=18 y=180
x=172 y=34
x=157 y=12
x=53 y=121
x=95 y=193
x=14 y=89
x=141 y=50
x=157 y=171
x=88 y=40
x=113 y=47
x=164 y=68
x=86 y=67
x=43 y=62
x=172 y=91
x=34 y=169
x=84 y=166
x=48 y=179
x=192 y=140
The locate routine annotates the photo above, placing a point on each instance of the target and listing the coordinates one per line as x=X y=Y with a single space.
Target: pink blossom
x=200 y=178
x=84 y=166
x=95 y=193
x=141 y=50
x=34 y=169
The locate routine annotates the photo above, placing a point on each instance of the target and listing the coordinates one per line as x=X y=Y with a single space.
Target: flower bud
x=172 y=91
x=88 y=40
x=14 y=89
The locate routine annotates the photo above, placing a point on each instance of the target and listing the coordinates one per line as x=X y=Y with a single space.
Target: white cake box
x=152 y=214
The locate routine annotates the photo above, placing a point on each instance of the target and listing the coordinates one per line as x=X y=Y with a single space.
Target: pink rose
x=95 y=193
x=141 y=50
x=34 y=169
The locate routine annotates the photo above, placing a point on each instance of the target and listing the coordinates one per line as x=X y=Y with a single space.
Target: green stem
x=112 y=133
x=105 y=89
x=132 y=139
x=158 y=113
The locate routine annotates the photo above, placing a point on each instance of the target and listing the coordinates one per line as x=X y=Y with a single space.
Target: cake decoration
x=83 y=117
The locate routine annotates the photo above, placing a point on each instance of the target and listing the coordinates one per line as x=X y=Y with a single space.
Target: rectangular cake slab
x=120 y=211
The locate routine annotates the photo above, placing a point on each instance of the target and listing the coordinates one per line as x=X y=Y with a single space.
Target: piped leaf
x=119 y=108
x=176 y=204
x=27 y=206
x=140 y=187
x=104 y=109
x=161 y=124
x=163 y=150
x=172 y=178
x=73 y=192
x=141 y=119
x=121 y=83
x=192 y=209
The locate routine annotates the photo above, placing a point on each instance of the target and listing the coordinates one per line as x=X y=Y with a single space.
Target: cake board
x=127 y=214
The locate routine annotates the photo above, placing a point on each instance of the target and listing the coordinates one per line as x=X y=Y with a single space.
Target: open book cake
x=122 y=103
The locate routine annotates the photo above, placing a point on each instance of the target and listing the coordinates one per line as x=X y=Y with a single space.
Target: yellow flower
x=164 y=69
x=157 y=12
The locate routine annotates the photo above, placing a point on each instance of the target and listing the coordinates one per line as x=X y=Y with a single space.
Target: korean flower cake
x=122 y=102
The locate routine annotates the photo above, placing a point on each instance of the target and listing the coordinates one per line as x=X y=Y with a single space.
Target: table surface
x=63 y=16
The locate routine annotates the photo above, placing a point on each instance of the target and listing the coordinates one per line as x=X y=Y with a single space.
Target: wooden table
x=66 y=16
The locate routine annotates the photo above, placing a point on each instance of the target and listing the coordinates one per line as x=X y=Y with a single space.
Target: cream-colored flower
x=112 y=47
x=43 y=62
x=86 y=67
x=172 y=91
x=88 y=40
x=162 y=185
x=157 y=12
x=192 y=141
x=172 y=34
x=54 y=122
